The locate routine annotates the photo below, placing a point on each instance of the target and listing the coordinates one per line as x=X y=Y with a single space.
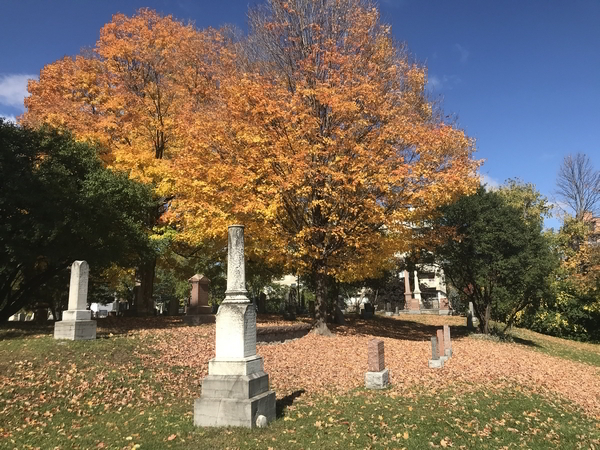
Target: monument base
x=436 y=363
x=389 y=313
x=75 y=330
x=448 y=352
x=377 y=380
x=237 y=401
x=444 y=312
x=198 y=319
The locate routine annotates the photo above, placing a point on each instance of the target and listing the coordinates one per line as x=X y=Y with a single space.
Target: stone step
x=232 y=386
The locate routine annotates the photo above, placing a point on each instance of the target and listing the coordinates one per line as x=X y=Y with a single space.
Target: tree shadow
x=283 y=403
x=395 y=329
x=106 y=326
x=18 y=330
x=526 y=342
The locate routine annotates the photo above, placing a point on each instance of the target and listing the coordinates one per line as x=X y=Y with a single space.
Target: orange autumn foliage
x=315 y=131
x=129 y=93
x=324 y=145
x=329 y=160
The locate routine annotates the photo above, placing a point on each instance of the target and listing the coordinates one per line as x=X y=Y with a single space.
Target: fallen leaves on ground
x=337 y=364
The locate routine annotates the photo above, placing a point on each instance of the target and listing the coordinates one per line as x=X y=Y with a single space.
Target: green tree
x=59 y=204
x=573 y=309
x=497 y=258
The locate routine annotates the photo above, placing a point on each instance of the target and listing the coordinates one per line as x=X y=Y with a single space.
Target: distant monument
x=198 y=310
x=415 y=301
x=236 y=390
x=76 y=323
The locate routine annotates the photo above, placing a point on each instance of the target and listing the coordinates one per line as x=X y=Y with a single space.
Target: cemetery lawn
x=575 y=351
x=133 y=388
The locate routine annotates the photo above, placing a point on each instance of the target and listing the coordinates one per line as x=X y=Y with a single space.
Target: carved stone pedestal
x=236 y=390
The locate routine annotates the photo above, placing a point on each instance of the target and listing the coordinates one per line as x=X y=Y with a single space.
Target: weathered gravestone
x=435 y=362
x=444 y=306
x=470 y=317
x=367 y=311
x=407 y=293
x=441 y=345
x=236 y=390
x=377 y=376
x=388 y=309
x=76 y=323
x=198 y=311
x=447 y=341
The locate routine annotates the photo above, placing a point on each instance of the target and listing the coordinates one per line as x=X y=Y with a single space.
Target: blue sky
x=521 y=77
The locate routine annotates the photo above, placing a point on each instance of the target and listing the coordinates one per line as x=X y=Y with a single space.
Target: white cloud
x=12 y=119
x=448 y=82
x=434 y=82
x=489 y=182
x=463 y=52
x=13 y=89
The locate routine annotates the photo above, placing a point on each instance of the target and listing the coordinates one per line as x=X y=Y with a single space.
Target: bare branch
x=578 y=185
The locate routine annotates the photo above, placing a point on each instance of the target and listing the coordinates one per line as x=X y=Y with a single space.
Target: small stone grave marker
x=435 y=362
x=441 y=345
x=378 y=376
x=447 y=341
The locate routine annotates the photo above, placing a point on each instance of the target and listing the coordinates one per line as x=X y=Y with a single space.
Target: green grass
x=98 y=394
x=572 y=350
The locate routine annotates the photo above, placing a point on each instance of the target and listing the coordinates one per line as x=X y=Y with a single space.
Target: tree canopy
x=315 y=131
x=499 y=258
x=59 y=204
x=325 y=144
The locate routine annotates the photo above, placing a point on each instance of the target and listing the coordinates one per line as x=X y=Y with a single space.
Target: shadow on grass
x=106 y=326
x=287 y=401
x=379 y=326
x=527 y=342
x=395 y=329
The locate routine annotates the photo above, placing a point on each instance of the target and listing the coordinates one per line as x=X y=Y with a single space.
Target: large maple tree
x=132 y=93
x=323 y=142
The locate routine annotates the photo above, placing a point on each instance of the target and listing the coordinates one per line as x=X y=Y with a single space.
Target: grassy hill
x=134 y=388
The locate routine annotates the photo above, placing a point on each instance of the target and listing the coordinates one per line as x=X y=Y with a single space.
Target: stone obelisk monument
x=76 y=323
x=407 y=293
x=236 y=390
x=415 y=305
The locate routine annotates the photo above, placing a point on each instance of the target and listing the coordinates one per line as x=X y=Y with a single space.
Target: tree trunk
x=484 y=326
x=320 y=326
x=144 y=301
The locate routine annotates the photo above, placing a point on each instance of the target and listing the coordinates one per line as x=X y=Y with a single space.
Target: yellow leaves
x=317 y=159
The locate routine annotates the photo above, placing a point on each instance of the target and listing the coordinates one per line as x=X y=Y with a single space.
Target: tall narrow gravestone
x=236 y=390
x=435 y=362
x=470 y=315
x=447 y=341
x=441 y=345
x=76 y=323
